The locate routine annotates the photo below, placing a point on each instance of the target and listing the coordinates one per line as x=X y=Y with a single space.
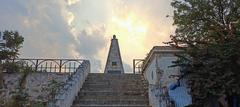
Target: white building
x=164 y=87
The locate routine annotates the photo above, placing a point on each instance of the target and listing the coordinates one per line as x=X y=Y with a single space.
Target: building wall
x=150 y=72
x=163 y=61
x=157 y=79
x=164 y=64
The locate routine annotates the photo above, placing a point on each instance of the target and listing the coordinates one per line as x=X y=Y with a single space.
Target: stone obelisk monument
x=114 y=61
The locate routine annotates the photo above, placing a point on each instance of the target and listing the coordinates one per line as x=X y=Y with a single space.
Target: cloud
x=71 y=2
x=43 y=26
x=90 y=42
x=84 y=28
x=50 y=32
x=139 y=25
x=127 y=68
x=70 y=18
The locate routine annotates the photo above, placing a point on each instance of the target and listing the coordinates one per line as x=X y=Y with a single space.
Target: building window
x=114 y=64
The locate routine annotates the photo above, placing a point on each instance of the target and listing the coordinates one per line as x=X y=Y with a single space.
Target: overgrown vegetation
x=20 y=97
x=53 y=88
x=209 y=33
x=9 y=49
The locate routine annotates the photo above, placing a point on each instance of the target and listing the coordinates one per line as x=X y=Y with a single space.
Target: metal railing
x=47 y=65
x=137 y=66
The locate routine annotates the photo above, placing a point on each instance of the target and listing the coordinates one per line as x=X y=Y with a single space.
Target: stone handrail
x=69 y=91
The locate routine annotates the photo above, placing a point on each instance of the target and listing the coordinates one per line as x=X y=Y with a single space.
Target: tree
x=9 y=49
x=209 y=33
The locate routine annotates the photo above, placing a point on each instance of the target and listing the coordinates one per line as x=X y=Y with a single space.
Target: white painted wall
x=161 y=61
x=150 y=72
x=164 y=63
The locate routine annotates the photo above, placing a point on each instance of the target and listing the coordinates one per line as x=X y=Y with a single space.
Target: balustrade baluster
x=69 y=68
x=65 y=68
x=74 y=68
x=36 y=65
x=60 y=66
x=51 y=67
x=55 y=68
x=46 y=66
x=41 y=68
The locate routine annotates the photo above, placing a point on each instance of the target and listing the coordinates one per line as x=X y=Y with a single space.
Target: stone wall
x=36 y=85
x=70 y=90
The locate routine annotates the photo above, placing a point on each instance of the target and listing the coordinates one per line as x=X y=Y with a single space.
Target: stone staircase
x=112 y=90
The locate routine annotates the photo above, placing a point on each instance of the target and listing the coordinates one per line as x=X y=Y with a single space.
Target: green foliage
x=19 y=98
x=38 y=104
x=11 y=67
x=53 y=88
x=23 y=80
x=10 y=49
x=209 y=33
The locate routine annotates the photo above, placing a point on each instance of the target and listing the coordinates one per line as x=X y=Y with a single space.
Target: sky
x=83 y=28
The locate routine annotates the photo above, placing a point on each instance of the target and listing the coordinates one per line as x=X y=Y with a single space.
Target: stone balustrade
x=73 y=84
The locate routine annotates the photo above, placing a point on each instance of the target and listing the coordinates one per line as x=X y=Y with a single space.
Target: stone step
x=114 y=77
x=111 y=106
x=116 y=93
x=112 y=101
x=123 y=75
x=113 y=89
x=117 y=87
x=113 y=81
x=109 y=97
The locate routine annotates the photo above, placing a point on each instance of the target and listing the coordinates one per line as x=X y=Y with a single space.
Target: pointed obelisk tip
x=114 y=36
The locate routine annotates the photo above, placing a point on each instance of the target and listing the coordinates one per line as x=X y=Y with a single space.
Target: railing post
x=133 y=66
x=36 y=65
x=60 y=66
x=138 y=66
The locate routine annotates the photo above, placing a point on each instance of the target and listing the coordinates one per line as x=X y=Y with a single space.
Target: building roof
x=164 y=48
x=159 y=49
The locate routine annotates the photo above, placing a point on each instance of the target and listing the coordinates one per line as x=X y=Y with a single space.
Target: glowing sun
x=131 y=31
